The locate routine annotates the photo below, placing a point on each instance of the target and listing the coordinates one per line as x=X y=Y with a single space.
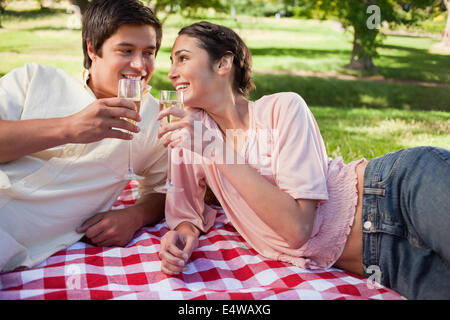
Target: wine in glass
x=131 y=89
x=170 y=98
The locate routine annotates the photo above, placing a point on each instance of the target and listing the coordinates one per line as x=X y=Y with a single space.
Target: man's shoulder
x=46 y=70
x=43 y=74
x=149 y=108
x=150 y=99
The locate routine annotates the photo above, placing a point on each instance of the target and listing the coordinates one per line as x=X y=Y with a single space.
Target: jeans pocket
x=391 y=164
x=442 y=154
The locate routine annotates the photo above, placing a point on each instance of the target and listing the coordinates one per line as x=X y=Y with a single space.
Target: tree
x=445 y=42
x=364 y=18
x=164 y=6
x=2 y=9
x=186 y=7
x=82 y=4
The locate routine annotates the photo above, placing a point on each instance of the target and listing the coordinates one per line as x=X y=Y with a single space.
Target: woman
x=267 y=165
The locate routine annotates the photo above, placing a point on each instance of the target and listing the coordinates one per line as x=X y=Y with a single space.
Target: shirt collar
x=85 y=77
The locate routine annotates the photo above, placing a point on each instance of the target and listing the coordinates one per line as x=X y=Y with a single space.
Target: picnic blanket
x=223 y=267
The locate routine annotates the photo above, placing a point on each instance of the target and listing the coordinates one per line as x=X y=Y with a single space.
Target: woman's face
x=192 y=73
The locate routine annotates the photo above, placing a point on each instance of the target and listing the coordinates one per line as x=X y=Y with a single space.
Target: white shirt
x=45 y=196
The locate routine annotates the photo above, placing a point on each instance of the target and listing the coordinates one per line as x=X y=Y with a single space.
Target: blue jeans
x=406 y=222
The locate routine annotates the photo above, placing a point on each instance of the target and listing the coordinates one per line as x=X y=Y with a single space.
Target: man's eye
x=125 y=51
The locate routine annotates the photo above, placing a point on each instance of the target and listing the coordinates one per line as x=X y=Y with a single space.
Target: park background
x=303 y=46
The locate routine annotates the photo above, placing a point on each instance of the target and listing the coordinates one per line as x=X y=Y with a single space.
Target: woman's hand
x=188 y=132
x=175 y=251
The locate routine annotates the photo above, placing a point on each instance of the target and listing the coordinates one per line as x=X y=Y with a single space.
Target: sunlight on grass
x=380 y=101
x=40 y=20
x=412 y=133
x=360 y=132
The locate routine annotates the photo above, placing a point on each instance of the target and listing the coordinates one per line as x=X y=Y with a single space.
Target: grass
x=363 y=132
x=356 y=93
x=358 y=118
x=409 y=58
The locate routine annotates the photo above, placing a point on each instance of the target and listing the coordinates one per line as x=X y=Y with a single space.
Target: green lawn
x=357 y=117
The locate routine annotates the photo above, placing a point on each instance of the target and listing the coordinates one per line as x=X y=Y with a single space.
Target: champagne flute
x=170 y=98
x=131 y=89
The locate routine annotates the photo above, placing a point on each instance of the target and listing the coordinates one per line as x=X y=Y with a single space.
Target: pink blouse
x=285 y=145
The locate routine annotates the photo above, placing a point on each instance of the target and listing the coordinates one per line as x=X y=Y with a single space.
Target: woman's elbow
x=301 y=224
x=300 y=234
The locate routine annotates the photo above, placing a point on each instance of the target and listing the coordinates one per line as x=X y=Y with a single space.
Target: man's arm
x=97 y=121
x=19 y=138
x=117 y=227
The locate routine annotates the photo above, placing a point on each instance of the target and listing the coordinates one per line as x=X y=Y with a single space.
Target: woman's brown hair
x=219 y=41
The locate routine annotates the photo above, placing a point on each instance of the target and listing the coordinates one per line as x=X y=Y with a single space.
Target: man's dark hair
x=102 y=19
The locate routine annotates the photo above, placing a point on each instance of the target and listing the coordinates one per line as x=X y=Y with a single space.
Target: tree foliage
x=359 y=17
x=163 y=8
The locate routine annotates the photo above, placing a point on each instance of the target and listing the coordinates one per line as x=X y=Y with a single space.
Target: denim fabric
x=406 y=222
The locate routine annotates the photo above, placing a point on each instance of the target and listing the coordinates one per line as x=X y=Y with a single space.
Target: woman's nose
x=172 y=73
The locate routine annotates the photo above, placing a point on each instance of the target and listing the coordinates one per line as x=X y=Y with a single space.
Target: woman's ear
x=224 y=64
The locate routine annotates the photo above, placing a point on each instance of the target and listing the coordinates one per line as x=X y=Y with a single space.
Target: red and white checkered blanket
x=222 y=267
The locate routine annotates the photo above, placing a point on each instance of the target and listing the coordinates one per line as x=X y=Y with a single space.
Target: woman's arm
x=290 y=218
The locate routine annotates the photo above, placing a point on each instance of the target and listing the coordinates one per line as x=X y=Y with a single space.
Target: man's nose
x=138 y=62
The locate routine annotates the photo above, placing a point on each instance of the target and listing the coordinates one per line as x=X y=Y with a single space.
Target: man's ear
x=90 y=50
x=224 y=64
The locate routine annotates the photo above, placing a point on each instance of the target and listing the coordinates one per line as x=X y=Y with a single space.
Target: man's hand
x=102 y=119
x=112 y=228
x=117 y=227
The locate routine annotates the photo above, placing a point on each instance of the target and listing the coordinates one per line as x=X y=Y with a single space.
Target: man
x=64 y=143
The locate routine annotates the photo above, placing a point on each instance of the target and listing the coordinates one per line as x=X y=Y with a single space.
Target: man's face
x=130 y=52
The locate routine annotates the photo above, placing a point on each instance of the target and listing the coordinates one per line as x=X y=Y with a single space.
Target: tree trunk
x=82 y=4
x=364 y=49
x=233 y=10
x=2 y=9
x=445 y=42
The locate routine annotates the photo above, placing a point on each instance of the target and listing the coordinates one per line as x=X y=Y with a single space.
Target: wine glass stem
x=169 y=174
x=130 y=157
